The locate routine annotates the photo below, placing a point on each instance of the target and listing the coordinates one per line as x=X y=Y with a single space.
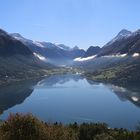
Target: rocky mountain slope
x=118 y=61
x=17 y=61
x=125 y=42
x=53 y=53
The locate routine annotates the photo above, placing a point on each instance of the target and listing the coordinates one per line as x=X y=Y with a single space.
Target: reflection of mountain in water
x=15 y=93
x=124 y=93
x=91 y=82
x=132 y=94
x=59 y=79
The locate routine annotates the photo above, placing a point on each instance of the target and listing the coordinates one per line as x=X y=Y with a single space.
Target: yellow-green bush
x=22 y=127
x=28 y=127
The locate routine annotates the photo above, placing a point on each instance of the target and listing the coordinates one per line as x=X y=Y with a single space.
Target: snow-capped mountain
x=25 y=40
x=121 y=35
x=62 y=46
x=52 y=52
x=89 y=55
x=125 y=42
x=17 y=61
x=123 y=50
x=10 y=46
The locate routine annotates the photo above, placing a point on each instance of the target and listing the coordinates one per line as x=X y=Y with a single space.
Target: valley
x=69 y=70
x=35 y=74
x=28 y=59
x=116 y=62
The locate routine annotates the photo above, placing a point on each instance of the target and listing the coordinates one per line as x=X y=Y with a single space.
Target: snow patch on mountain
x=135 y=55
x=80 y=59
x=63 y=47
x=40 y=56
x=135 y=99
x=121 y=35
x=117 y=55
x=38 y=44
x=136 y=33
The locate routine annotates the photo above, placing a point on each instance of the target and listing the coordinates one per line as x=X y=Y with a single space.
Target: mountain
x=17 y=61
x=121 y=35
x=62 y=46
x=92 y=50
x=121 y=74
x=125 y=42
x=10 y=46
x=117 y=62
x=53 y=53
x=125 y=45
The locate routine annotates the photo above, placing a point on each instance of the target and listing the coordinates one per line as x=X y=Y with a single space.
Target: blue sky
x=71 y=22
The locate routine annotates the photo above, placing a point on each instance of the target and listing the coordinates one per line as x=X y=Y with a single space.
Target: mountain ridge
x=122 y=51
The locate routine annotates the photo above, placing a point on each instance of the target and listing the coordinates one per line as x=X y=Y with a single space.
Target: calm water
x=72 y=98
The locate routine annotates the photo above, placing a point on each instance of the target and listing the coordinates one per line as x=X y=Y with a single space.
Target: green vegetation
x=28 y=127
x=121 y=75
x=14 y=70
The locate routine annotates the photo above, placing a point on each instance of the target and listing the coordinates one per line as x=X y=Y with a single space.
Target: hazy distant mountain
x=92 y=50
x=52 y=52
x=62 y=46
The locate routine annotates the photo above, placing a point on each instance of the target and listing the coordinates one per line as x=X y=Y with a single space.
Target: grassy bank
x=28 y=127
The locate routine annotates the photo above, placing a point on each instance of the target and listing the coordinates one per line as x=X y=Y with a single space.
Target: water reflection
x=124 y=94
x=131 y=93
x=15 y=93
x=58 y=79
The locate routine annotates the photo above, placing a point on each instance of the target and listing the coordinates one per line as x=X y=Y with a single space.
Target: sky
x=71 y=22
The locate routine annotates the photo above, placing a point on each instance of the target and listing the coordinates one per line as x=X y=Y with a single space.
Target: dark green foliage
x=122 y=74
x=89 y=131
x=27 y=127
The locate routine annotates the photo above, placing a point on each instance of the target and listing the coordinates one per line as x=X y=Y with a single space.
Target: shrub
x=22 y=127
x=103 y=136
x=28 y=127
x=89 y=131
